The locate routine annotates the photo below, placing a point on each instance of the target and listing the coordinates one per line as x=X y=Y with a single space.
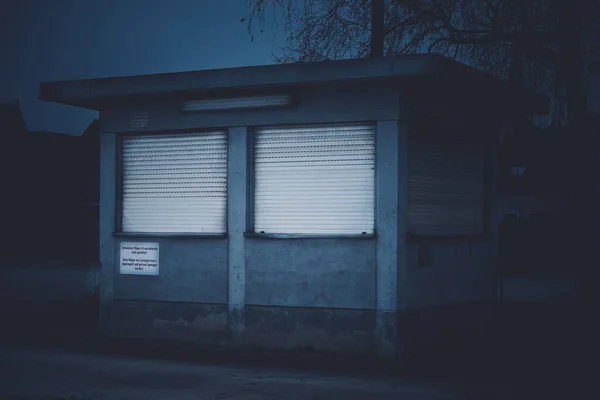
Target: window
x=446 y=184
x=174 y=183
x=317 y=180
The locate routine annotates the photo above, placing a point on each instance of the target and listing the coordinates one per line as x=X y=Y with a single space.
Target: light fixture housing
x=236 y=103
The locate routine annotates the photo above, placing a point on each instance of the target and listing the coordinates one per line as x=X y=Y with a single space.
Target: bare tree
x=522 y=41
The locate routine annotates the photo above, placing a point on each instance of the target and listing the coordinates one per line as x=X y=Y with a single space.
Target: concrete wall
x=188 y=300
x=311 y=293
x=191 y=270
x=330 y=273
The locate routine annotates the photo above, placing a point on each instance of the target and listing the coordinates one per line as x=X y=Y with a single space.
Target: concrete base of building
x=423 y=333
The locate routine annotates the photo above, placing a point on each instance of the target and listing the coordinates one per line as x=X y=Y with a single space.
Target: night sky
x=46 y=40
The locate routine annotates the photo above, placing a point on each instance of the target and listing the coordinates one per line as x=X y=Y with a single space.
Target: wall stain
x=212 y=322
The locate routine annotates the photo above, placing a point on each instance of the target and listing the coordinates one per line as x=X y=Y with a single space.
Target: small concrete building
x=343 y=206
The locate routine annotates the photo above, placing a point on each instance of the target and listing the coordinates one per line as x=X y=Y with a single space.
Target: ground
x=541 y=351
x=542 y=354
x=36 y=373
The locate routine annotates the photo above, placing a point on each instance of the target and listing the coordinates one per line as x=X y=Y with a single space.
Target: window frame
x=120 y=138
x=251 y=184
x=487 y=193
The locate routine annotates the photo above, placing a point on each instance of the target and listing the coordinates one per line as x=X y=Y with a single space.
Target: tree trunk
x=377 y=27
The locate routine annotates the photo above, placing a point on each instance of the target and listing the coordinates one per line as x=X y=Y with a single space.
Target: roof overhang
x=441 y=72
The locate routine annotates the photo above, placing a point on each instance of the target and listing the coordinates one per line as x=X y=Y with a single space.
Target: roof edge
x=92 y=93
x=83 y=93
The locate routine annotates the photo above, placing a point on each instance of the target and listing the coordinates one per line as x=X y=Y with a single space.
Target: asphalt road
x=42 y=373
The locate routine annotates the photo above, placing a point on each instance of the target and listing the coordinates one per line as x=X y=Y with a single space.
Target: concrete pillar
x=108 y=165
x=236 y=227
x=387 y=236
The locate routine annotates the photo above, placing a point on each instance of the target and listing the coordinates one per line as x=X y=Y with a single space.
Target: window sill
x=412 y=236
x=305 y=236
x=171 y=235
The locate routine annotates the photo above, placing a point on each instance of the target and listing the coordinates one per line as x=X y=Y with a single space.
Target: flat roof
x=95 y=93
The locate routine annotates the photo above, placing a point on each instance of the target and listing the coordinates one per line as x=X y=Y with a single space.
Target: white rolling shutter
x=174 y=183
x=315 y=180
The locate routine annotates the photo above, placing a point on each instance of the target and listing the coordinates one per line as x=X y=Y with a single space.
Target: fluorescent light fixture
x=236 y=103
